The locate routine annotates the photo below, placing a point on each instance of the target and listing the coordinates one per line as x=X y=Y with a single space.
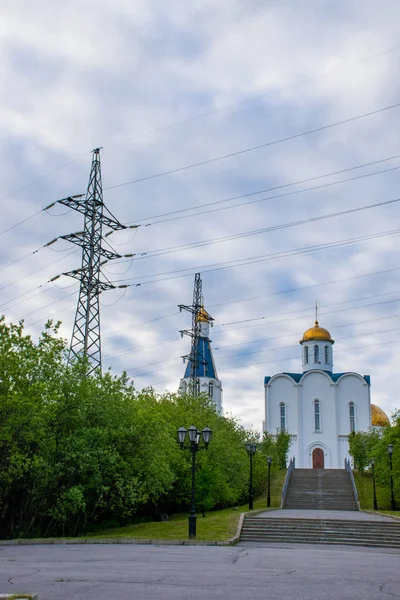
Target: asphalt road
x=277 y=571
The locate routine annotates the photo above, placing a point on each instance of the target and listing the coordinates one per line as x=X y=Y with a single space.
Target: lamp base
x=192 y=526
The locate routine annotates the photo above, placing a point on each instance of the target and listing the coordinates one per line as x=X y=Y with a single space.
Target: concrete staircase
x=320 y=489
x=381 y=534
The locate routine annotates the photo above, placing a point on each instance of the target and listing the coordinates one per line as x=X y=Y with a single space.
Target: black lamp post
x=392 y=500
x=373 y=483
x=194 y=446
x=269 y=461
x=251 y=450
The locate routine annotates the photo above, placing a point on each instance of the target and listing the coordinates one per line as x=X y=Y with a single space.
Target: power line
x=260 y=258
x=275 y=349
x=202 y=243
x=284 y=320
x=319 y=306
x=334 y=327
x=141 y=324
x=195 y=118
x=306 y=287
x=257 y=97
x=285 y=359
x=275 y=188
x=130 y=351
x=254 y=148
x=264 y=362
x=24 y=187
x=50 y=304
x=257 y=297
x=322 y=313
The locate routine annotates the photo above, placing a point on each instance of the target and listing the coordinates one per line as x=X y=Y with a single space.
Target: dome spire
x=316 y=313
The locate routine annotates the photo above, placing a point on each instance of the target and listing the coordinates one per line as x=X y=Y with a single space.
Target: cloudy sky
x=309 y=90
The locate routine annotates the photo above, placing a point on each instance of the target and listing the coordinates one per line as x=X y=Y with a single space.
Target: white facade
x=207 y=379
x=318 y=408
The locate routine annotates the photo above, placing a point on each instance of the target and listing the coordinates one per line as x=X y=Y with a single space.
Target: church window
x=317 y=415
x=282 y=409
x=316 y=354
x=197 y=387
x=306 y=355
x=352 y=417
x=184 y=387
x=211 y=389
x=326 y=354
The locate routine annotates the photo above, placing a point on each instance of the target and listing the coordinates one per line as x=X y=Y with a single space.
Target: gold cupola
x=378 y=417
x=203 y=316
x=317 y=333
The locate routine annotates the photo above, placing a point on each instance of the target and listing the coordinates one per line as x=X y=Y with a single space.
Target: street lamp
x=194 y=446
x=373 y=483
x=251 y=450
x=269 y=461
x=392 y=500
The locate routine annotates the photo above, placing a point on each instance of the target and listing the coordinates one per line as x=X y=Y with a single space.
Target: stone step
x=341 y=542
x=324 y=489
x=317 y=533
x=383 y=534
x=306 y=532
x=324 y=521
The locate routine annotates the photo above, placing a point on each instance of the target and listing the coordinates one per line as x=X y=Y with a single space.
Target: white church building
x=319 y=408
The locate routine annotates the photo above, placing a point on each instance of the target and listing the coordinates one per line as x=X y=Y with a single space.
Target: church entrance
x=318 y=459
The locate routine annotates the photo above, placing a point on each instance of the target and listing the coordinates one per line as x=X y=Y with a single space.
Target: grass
x=366 y=494
x=218 y=525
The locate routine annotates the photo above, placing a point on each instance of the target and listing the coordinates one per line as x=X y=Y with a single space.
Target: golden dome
x=203 y=316
x=378 y=417
x=316 y=333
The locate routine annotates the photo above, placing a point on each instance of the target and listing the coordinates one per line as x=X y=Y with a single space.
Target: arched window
x=184 y=387
x=316 y=354
x=326 y=354
x=317 y=415
x=282 y=411
x=306 y=355
x=197 y=387
x=211 y=389
x=352 y=416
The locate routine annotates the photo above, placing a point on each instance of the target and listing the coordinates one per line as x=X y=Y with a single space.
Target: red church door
x=318 y=459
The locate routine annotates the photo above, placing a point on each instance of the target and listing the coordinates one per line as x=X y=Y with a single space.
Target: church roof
x=203 y=316
x=378 y=417
x=334 y=376
x=206 y=366
x=316 y=333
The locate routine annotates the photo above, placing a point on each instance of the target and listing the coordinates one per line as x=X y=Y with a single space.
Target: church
x=207 y=381
x=319 y=408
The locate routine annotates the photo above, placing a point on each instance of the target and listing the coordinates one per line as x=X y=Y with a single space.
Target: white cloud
x=105 y=73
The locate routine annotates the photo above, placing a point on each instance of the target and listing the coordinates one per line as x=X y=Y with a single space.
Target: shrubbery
x=77 y=452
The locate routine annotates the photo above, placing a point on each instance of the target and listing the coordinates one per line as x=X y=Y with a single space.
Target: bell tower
x=317 y=346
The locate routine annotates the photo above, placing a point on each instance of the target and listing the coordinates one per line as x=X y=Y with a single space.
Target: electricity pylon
x=86 y=340
x=195 y=357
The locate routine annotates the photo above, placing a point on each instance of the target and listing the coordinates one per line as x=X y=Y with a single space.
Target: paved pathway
x=351 y=515
x=275 y=572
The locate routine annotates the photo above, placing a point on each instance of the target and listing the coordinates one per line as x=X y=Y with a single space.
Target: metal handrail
x=348 y=468
x=286 y=483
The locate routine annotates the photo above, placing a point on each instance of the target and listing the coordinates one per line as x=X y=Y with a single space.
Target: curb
x=19 y=597
x=133 y=541
x=377 y=512
x=115 y=541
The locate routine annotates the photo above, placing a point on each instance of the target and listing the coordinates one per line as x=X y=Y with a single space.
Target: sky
x=292 y=107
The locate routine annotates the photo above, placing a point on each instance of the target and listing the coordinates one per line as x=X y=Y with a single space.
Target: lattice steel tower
x=195 y=357
x=86 y=339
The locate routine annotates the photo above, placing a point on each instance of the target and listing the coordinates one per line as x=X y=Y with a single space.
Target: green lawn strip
x=366 y=495
x=215 y=526
x=17 y=596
